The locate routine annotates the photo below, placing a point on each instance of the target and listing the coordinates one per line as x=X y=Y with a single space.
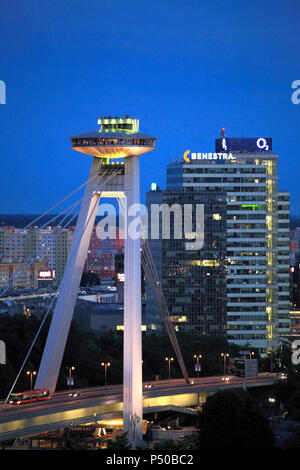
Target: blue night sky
x=185 y=69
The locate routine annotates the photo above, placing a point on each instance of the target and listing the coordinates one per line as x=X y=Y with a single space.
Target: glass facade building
x=193 y=280
x=255 y=221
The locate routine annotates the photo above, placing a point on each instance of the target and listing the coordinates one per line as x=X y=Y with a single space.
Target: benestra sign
x=207 y=156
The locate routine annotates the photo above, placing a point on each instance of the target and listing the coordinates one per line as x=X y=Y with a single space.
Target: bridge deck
x=107 y=402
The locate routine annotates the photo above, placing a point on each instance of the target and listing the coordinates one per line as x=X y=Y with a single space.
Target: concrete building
x=101 y=318
x=28 y=279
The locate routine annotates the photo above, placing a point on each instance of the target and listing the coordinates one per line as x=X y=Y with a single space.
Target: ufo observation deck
x=116 y=138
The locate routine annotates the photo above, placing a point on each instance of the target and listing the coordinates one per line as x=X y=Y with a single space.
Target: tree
x=188 y=443
x=73 y=443
x=89 y=279
x=232 y=419
x=120 y=443
x=294 y=441
x=284 y=389
x=293 y=406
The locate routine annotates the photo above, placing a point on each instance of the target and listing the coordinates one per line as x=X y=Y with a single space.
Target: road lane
x=62 y=400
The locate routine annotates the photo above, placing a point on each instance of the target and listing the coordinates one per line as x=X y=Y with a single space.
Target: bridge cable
x=43 y=321
x=156 y=290
x=155 y=287
x=49 y=210
x=34 y=232
x=42 y=245
x=55 y=296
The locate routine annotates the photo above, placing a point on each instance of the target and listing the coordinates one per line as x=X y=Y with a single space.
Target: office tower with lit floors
x=284 y=276
x=193 y=280
x=256 y=217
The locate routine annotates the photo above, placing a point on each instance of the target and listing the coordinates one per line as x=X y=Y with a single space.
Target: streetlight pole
x=31 y=373
x=105 y=365
x=169 y=359
x=70 y=374
x=270 y=354
x=272 y=401
x=198 y=357
x=225 y=355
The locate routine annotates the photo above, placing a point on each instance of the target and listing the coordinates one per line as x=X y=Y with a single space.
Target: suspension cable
x=49 y=210
x=55 y=296
x=156 y=289
x=46 y=314
x=42 y=245
x=35 y=231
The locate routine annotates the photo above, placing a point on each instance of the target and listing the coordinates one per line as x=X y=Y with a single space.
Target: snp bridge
x=115 y=149
x=97 y=404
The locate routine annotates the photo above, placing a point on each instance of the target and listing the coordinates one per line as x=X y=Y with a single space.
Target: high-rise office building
x=193 y=280
x=256 y=226
x=284 y=276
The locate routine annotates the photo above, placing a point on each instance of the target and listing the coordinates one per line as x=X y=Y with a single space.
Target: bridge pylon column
x=132 y=361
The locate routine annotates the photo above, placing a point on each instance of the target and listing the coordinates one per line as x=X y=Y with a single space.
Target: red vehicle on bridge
x=29 y=396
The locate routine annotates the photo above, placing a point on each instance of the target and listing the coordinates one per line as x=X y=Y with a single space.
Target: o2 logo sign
x=296 y=94
x=261 y=143
x=296 y=352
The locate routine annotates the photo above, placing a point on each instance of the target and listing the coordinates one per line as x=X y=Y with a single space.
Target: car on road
x=282 y=376
x=74 y=394
x=226 y=379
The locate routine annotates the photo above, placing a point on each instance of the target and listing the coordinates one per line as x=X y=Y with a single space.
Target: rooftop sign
x=207 y=156
x=251 y=145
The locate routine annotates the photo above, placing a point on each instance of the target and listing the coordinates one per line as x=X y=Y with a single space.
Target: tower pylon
x=118 y=138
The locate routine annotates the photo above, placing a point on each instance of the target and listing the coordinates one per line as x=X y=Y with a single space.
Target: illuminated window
x=204 y=262
x=216 y=217
x=121 y=328
x=182 y=319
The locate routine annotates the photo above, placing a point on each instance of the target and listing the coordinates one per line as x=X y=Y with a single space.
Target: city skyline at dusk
x=150 y=228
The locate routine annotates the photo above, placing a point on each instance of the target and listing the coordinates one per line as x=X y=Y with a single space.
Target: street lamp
x=169 y=359
x=31 y=373
x=105 y=365
x=252 y=354
x=225 y=355
x=70 y=374
x=272 y=402
x=198 y=357
x=272 y=364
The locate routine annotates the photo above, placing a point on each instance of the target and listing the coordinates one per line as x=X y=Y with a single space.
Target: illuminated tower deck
x=117 y=138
